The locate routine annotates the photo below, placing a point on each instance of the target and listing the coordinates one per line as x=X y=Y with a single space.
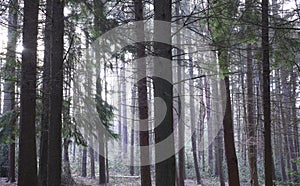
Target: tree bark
x=180 y=110
x=165 y=170
x=27 y=174
x=142 y=97
x=268 y=159
x=252 y=155
x=56 y=94
x=43 y=163
x=192 y=119
x=92 y=159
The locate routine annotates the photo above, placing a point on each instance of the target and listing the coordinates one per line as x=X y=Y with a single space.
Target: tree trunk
x=232 y=163
x=27 y=174
x=43 y=163
x=165 y=169
x=252 y=155
x=132 y=167
x=101 y=138
x=56 y=94
x=192 y=115
x=124 y=109
x=180 y=110
x=9 y=84
x=92 y=159
x=142 y=98
x=268 y=162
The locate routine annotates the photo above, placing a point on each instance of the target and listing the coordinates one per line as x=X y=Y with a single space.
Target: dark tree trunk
x=92 y=159
x=180 y=110
x=142 y=98
x=165 y=170
x=56 y=94
x=27 y=142
x=268 y=162
x=232 y=163
x=83 y=163
x=45 y=100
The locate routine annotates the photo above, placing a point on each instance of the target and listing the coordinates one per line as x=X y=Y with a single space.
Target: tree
x=192 y=115
x=9 y=85
x=268 y=160
x=45 y=99
x=56 y=94
x=251 y=123
x=27 y=174
x=221 y=35
x=164 y=90
x=142 y=97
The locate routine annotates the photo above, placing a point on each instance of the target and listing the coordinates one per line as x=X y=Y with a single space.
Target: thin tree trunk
x=92 y=159
x=124 y=109
x=180 y=110
x=142 y=98
x=27 y=174
x=192 y=115
x=43 y=163
x=132 y=167
x=252 y=155
x=84 y=162
x=9 y=85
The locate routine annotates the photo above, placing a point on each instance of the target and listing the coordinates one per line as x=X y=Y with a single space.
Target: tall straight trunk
x=83 y=162
x=209 y=127
x=9 y=84
x=268 y=160
x=232 y=162
x=132 y=167
x=92 y=161
x=27 y=174
x=288 y=117
x=180 y=110
x=294 y=113
x=43 y=163
x=142 y=98
x=219 y=138
x=192 y=119
x=101 y=138
x=165 y=169
x=252 y=155
x=56 y=94
x=245 y=121
x=220 y=157
x=124 y=109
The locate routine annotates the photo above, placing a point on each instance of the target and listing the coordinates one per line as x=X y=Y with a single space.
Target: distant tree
x=9 y=84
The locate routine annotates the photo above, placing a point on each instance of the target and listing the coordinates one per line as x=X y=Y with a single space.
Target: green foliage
x=5 y=126
x=70 y=128
x=106 y=115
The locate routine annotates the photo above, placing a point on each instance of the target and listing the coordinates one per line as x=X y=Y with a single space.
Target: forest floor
x=119 y=181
